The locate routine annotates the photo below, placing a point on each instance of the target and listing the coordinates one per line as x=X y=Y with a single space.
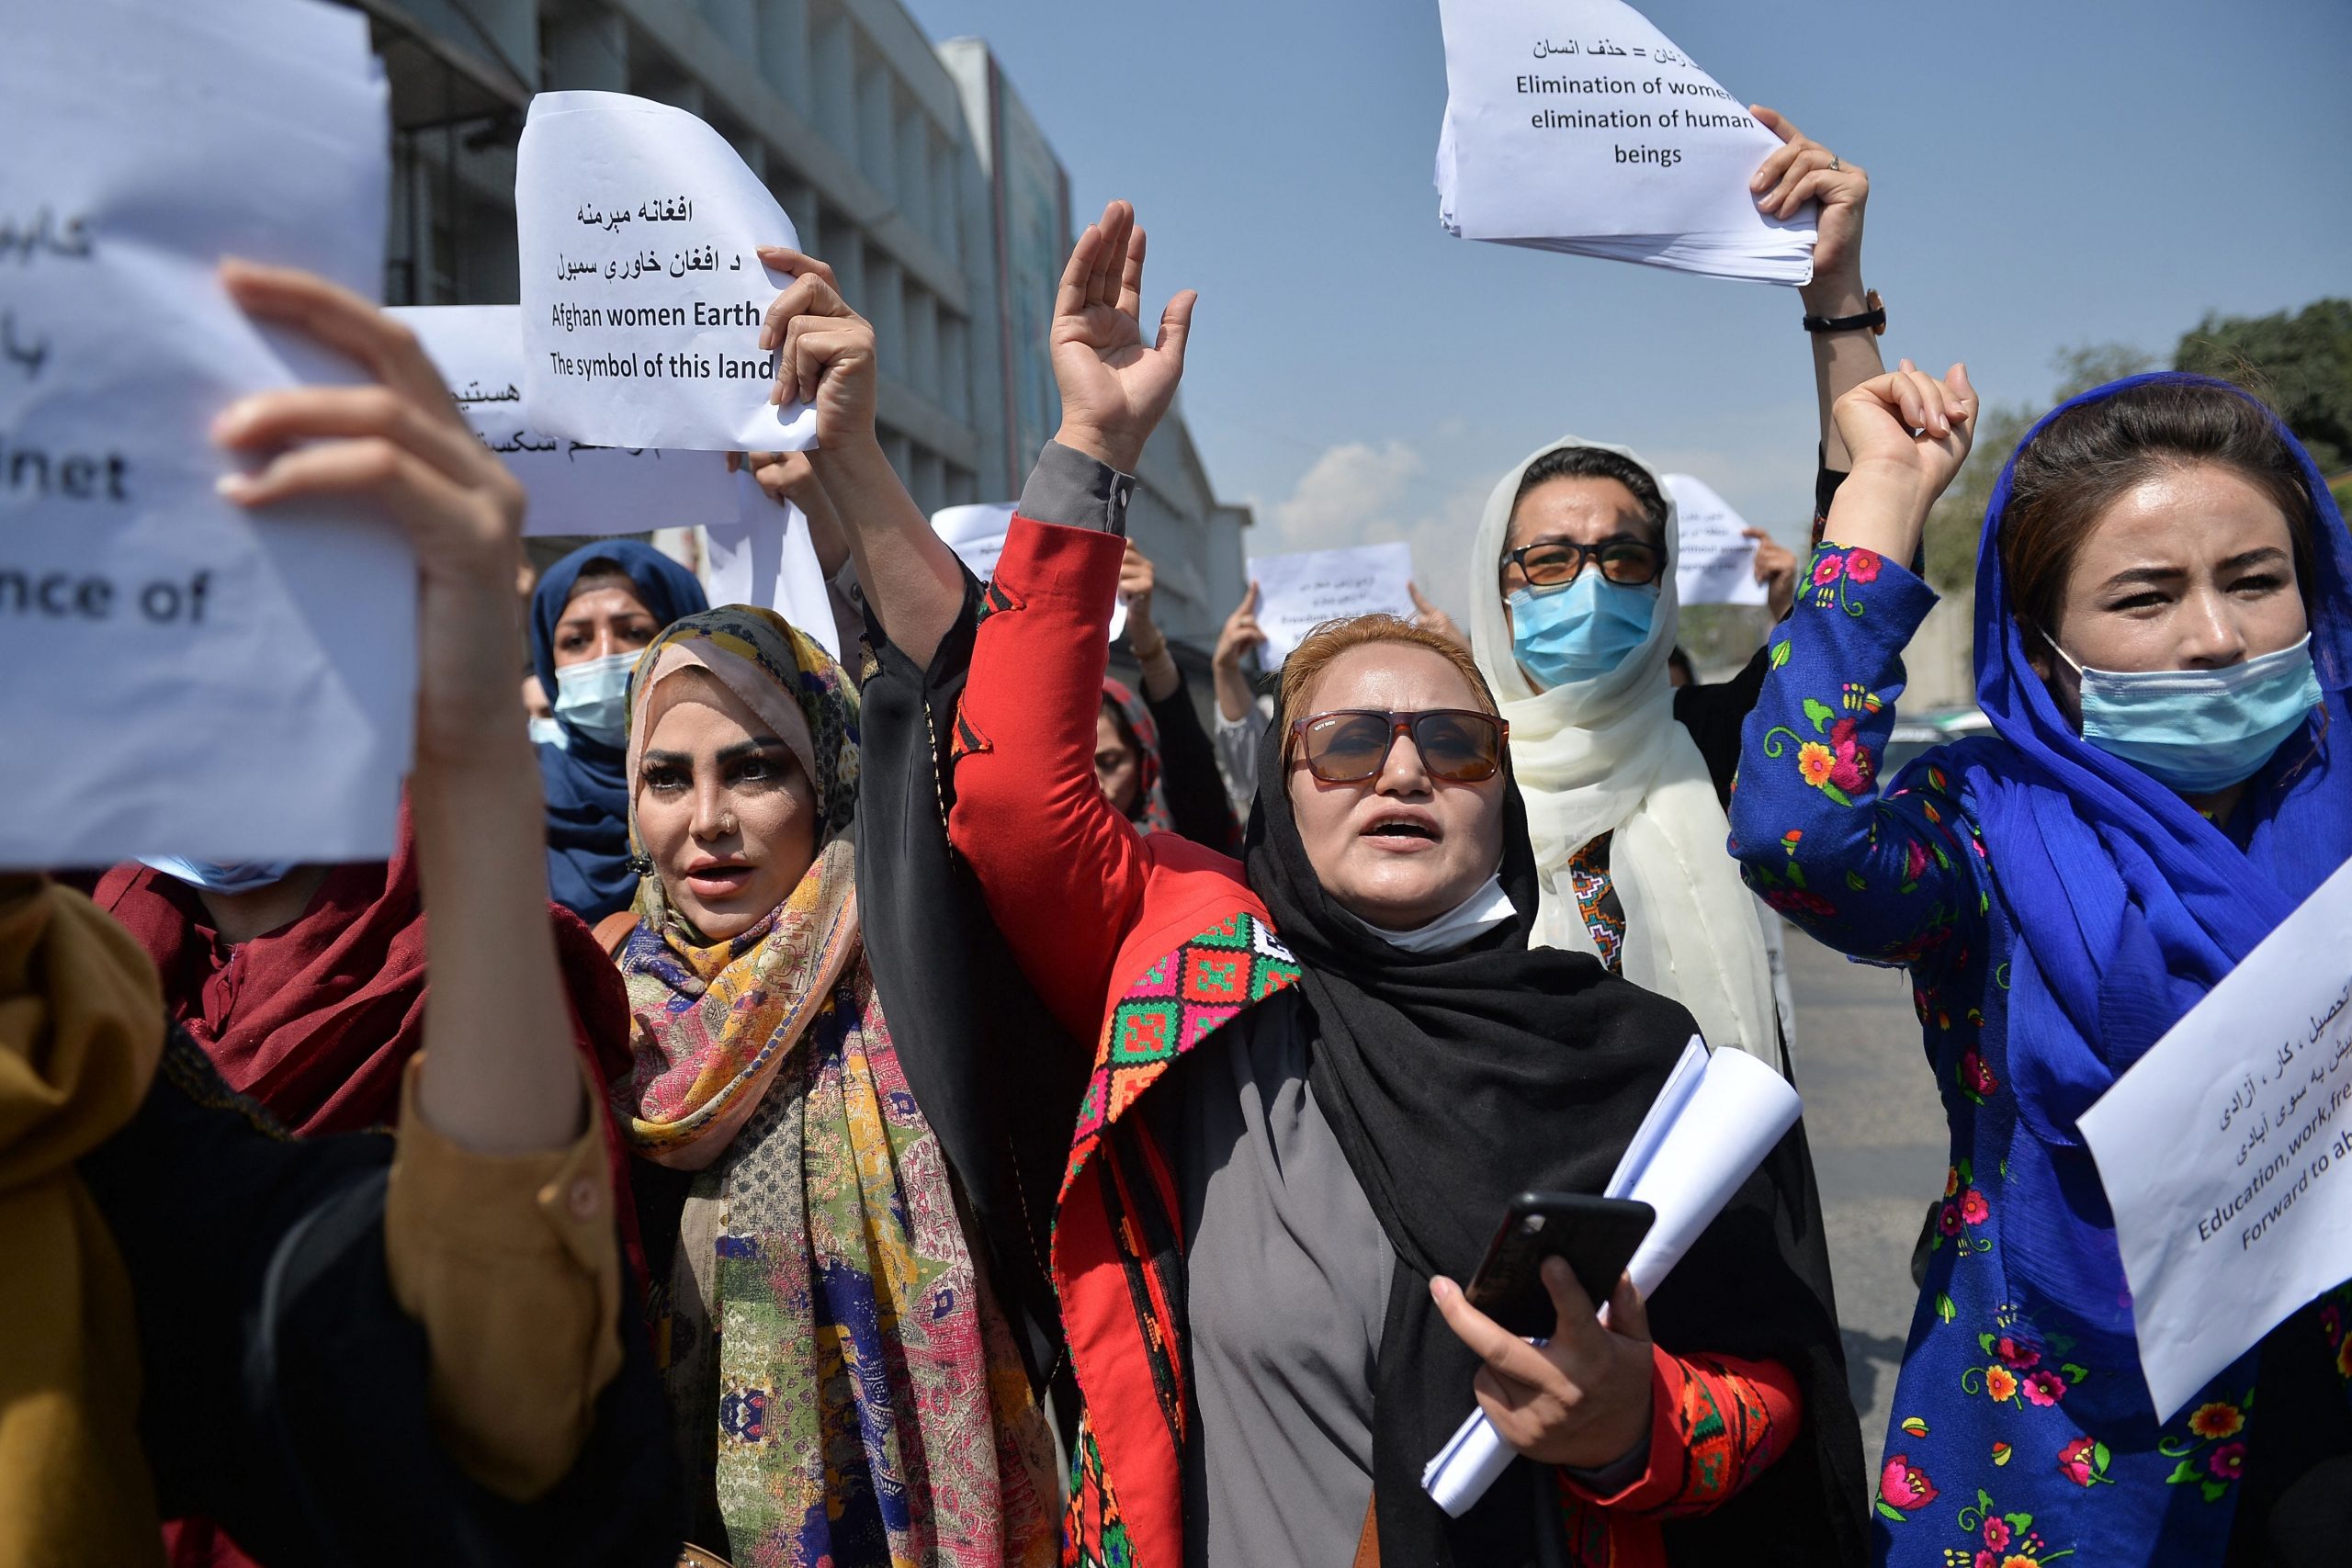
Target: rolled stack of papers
x=1575 y=126
x=1711 y=1127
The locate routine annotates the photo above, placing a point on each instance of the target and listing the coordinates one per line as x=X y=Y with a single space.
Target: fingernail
x=230 y=421
x=1441 y=1287
x=233 y=486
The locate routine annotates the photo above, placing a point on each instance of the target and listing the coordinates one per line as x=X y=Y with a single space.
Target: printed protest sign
x=1298 y=593
x=1714 y=562
x=575 y=488
x=636 y=230
x=1574 y=125
x=2226 y=1153
x=195 y=680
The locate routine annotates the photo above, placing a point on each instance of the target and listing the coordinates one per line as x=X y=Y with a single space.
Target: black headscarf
x=585 y=780
x=1455 y=1080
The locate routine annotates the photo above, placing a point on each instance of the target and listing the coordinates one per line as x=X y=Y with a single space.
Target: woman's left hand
x=1803 y=170
x=1581 y=1400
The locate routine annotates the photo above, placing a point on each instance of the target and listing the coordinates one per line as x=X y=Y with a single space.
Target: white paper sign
x=1298 y=593
x=191 y=679
x=766 y=557
x=638 y=231
x=1574 y=125
x=976 y=535
x=574 y=488
x=1714 y=564
x=2226 y=1153
x=1719 y=1114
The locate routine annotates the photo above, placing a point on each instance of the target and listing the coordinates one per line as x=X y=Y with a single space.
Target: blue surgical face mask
x=218 y=876
x=546 y=732
x=2199 y=730
x=1585 y=630
x=593 y=697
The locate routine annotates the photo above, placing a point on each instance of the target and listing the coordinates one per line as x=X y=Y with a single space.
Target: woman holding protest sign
x=1321 y=1076
x=2163 y=644
x=195 y=1306
x=846 y=1387
x=1624 y=773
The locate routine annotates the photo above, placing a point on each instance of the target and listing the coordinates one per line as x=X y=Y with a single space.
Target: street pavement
x=1879 y=1148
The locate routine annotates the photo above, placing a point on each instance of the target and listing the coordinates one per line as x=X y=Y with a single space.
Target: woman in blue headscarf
x=593 y=613
x=2163 y=644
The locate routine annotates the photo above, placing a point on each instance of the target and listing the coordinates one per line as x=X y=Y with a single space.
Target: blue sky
x=2045 y=175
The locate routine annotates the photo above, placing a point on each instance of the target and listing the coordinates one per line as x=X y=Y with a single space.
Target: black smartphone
x=1596 y=1235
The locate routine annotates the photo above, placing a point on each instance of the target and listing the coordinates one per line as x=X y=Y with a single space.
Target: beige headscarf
x=1605 y=755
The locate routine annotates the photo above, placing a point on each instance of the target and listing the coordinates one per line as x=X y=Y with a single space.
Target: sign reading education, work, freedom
x=638 y=232
x=189 y=678
x=1574 y=125
x=574 y=487
x=2226 y=1153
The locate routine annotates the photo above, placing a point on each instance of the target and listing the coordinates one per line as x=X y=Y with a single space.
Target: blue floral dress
x=2014 y=1441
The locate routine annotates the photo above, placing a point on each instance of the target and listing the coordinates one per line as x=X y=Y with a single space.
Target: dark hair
x=602 y=572
x=1594 y=463
x=2084 y=460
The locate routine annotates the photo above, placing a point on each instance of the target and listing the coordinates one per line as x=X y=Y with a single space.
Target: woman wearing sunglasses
x=1625 y=776
x=1320 y=1075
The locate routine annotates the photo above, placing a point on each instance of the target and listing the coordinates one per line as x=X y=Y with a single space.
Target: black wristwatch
x=1874 y=319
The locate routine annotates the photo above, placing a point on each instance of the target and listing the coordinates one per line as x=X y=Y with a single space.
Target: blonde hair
x=1314 y=653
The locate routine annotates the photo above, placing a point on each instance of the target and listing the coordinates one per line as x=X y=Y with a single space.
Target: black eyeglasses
x=1349 y=745
x=1555 y=563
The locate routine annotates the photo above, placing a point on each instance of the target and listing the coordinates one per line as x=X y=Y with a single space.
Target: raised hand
x=398 y=444
x=1909 y=432
x=1803 y=170
x=1429 y=617
x=1137 y=579
x=1775 y=568
x=825 y=354
x=1240 y=634
x=1582 y=1398
x=1114 y=390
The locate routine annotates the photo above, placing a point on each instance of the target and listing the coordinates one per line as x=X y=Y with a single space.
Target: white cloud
x=1359 y=494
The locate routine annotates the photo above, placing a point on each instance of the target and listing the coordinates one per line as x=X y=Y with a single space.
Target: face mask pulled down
x=2199 y=730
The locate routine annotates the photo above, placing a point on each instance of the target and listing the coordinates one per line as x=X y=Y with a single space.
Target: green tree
x=2301 y=364
x=1958 y=520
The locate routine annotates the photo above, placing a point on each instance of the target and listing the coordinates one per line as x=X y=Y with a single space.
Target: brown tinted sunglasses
x=1349 y=745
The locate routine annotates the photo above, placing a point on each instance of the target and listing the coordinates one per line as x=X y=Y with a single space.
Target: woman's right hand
x=1908 y=432
x=1240 y=635
x=824 y=350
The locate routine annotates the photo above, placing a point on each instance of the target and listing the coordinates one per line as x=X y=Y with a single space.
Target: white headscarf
x=1605 y=755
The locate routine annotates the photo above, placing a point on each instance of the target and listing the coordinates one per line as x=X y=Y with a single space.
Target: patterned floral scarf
x=1150 y=814
x=826 y=1321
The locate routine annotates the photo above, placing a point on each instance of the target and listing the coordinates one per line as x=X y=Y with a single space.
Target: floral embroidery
x=2218 y=1419
x=2218 y=1467
x=2009 y=1540
x=1965 y=1207
x=1831 y=572
x=2084 y=1462
x=1974 y=1079
x=1903 y=1489
x=1840 y=767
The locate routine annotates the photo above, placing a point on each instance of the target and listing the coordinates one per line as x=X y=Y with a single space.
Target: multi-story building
x=916 y=171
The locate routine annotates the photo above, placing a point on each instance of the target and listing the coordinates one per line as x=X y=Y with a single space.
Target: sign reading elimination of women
x=1574 y=125
x=638 y=232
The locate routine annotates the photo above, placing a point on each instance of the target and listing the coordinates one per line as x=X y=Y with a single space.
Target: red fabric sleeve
x=1062 y=871
x=1717 y=1423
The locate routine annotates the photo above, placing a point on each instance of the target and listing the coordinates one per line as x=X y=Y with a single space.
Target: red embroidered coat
x=1149 y=945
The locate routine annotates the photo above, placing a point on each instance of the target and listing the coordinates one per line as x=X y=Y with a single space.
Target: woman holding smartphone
x=1321 y=1075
